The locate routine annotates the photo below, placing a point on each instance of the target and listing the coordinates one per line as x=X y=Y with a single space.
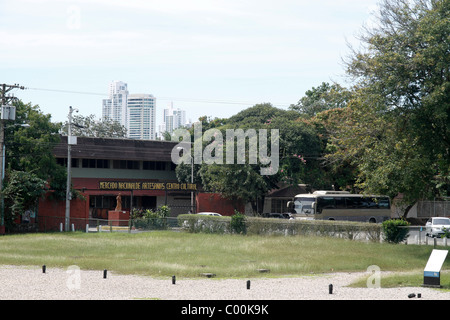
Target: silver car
x=436 y=226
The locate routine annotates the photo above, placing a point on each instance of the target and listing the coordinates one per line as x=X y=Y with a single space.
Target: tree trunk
x=407 y=209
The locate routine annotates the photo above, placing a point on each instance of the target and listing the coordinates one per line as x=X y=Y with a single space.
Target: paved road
x=417 y=236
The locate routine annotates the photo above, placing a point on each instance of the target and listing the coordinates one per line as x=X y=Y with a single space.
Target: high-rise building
x=141 y=116
x=115 y=107
x=136 y=112
x=172 y=119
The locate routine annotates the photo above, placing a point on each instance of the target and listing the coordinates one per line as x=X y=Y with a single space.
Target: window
x=339 y=203
x=279 y=206
x=126 y=164
x=134 y=165
x=63 y=162
x=154 y=165
x=325 y=203
x=88 y=163
x=353 y=202
x=102 y=163
x=119 y=164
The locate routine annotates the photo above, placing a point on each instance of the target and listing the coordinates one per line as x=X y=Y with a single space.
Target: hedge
x=267 y=226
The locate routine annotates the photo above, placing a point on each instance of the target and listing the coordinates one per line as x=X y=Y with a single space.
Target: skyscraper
x=172 y=119
x=141 y=116
x=136 y=112
x=115 y=107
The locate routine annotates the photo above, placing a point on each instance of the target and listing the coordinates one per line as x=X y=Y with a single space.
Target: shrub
x=240 y=224
x=237 y=223
x=152 y=219
x=195 y=223
x=395 y=230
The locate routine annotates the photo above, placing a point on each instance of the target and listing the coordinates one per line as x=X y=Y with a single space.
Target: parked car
x=210 y=214
x=278 y=215
x=435 y=226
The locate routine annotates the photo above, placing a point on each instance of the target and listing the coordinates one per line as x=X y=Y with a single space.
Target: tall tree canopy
x=299 y=148
x=324 y=97
x=88 y=126
x=398 y=123
x=30 y=166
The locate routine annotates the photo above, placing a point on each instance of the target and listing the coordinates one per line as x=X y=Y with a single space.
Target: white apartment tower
x=173 y=119
x=141 y=116
x=136 y=112
x=115 y=107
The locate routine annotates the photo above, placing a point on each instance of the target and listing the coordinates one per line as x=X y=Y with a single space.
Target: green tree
x=383 y=160
x=29 y=142
x=88 y=126
x=241 y=183
x=398 y=129
x=299 y=149
x=322 y=98
x=22 y=191
x=31 y=168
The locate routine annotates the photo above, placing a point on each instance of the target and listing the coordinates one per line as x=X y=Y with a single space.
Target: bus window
x=325 y=203
x=339 y=203
x=304 y=205
x=353 y=202
x=384 y=203
x=369 y=203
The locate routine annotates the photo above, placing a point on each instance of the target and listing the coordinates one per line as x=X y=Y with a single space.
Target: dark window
x=88 y=163
x=119 y=164
x=102 y=163
x=339 y=203
x=134 y=165
x=353 y=202
x=63 y=162
x=279 y=206
x=155 y=165
x=325 y=203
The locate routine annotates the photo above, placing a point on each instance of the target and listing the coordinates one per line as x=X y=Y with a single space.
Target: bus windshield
x=303 y=205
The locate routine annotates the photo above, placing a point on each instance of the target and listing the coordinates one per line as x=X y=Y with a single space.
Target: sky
x=209 y=57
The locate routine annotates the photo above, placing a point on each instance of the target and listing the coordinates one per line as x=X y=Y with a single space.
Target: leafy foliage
x=30 y=165
x=299 y=147
x=395 y=231
x=322 y=98
x=22 y=192
x=237 y=224
x=394 y=130
x=152 y=220
x=88 y=126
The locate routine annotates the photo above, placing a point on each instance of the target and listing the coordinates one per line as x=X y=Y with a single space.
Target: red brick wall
x=213 y=202
x=52 y=213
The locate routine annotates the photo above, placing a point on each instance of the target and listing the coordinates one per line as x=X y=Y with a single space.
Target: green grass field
x=166 y=253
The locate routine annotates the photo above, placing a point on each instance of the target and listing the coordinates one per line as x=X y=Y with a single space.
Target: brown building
x=141 y=171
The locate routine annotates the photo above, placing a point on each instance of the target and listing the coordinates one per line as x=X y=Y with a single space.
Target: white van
x=435 y=226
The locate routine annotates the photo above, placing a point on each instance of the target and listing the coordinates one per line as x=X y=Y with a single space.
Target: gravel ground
x=30 y=283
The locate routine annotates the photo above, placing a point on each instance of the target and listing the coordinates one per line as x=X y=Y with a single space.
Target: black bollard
x=330 y=289
x=248 y=284
x=174 y=279
x=44 y=268
x=104 y=273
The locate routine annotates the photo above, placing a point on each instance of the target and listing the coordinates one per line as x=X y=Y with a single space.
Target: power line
x=199 y=100
x=68 y=91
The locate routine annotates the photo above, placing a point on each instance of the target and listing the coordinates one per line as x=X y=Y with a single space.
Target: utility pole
x=70 y=141
x=7 y=113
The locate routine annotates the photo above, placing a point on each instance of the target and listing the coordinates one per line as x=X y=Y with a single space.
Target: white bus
x=340 y=205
